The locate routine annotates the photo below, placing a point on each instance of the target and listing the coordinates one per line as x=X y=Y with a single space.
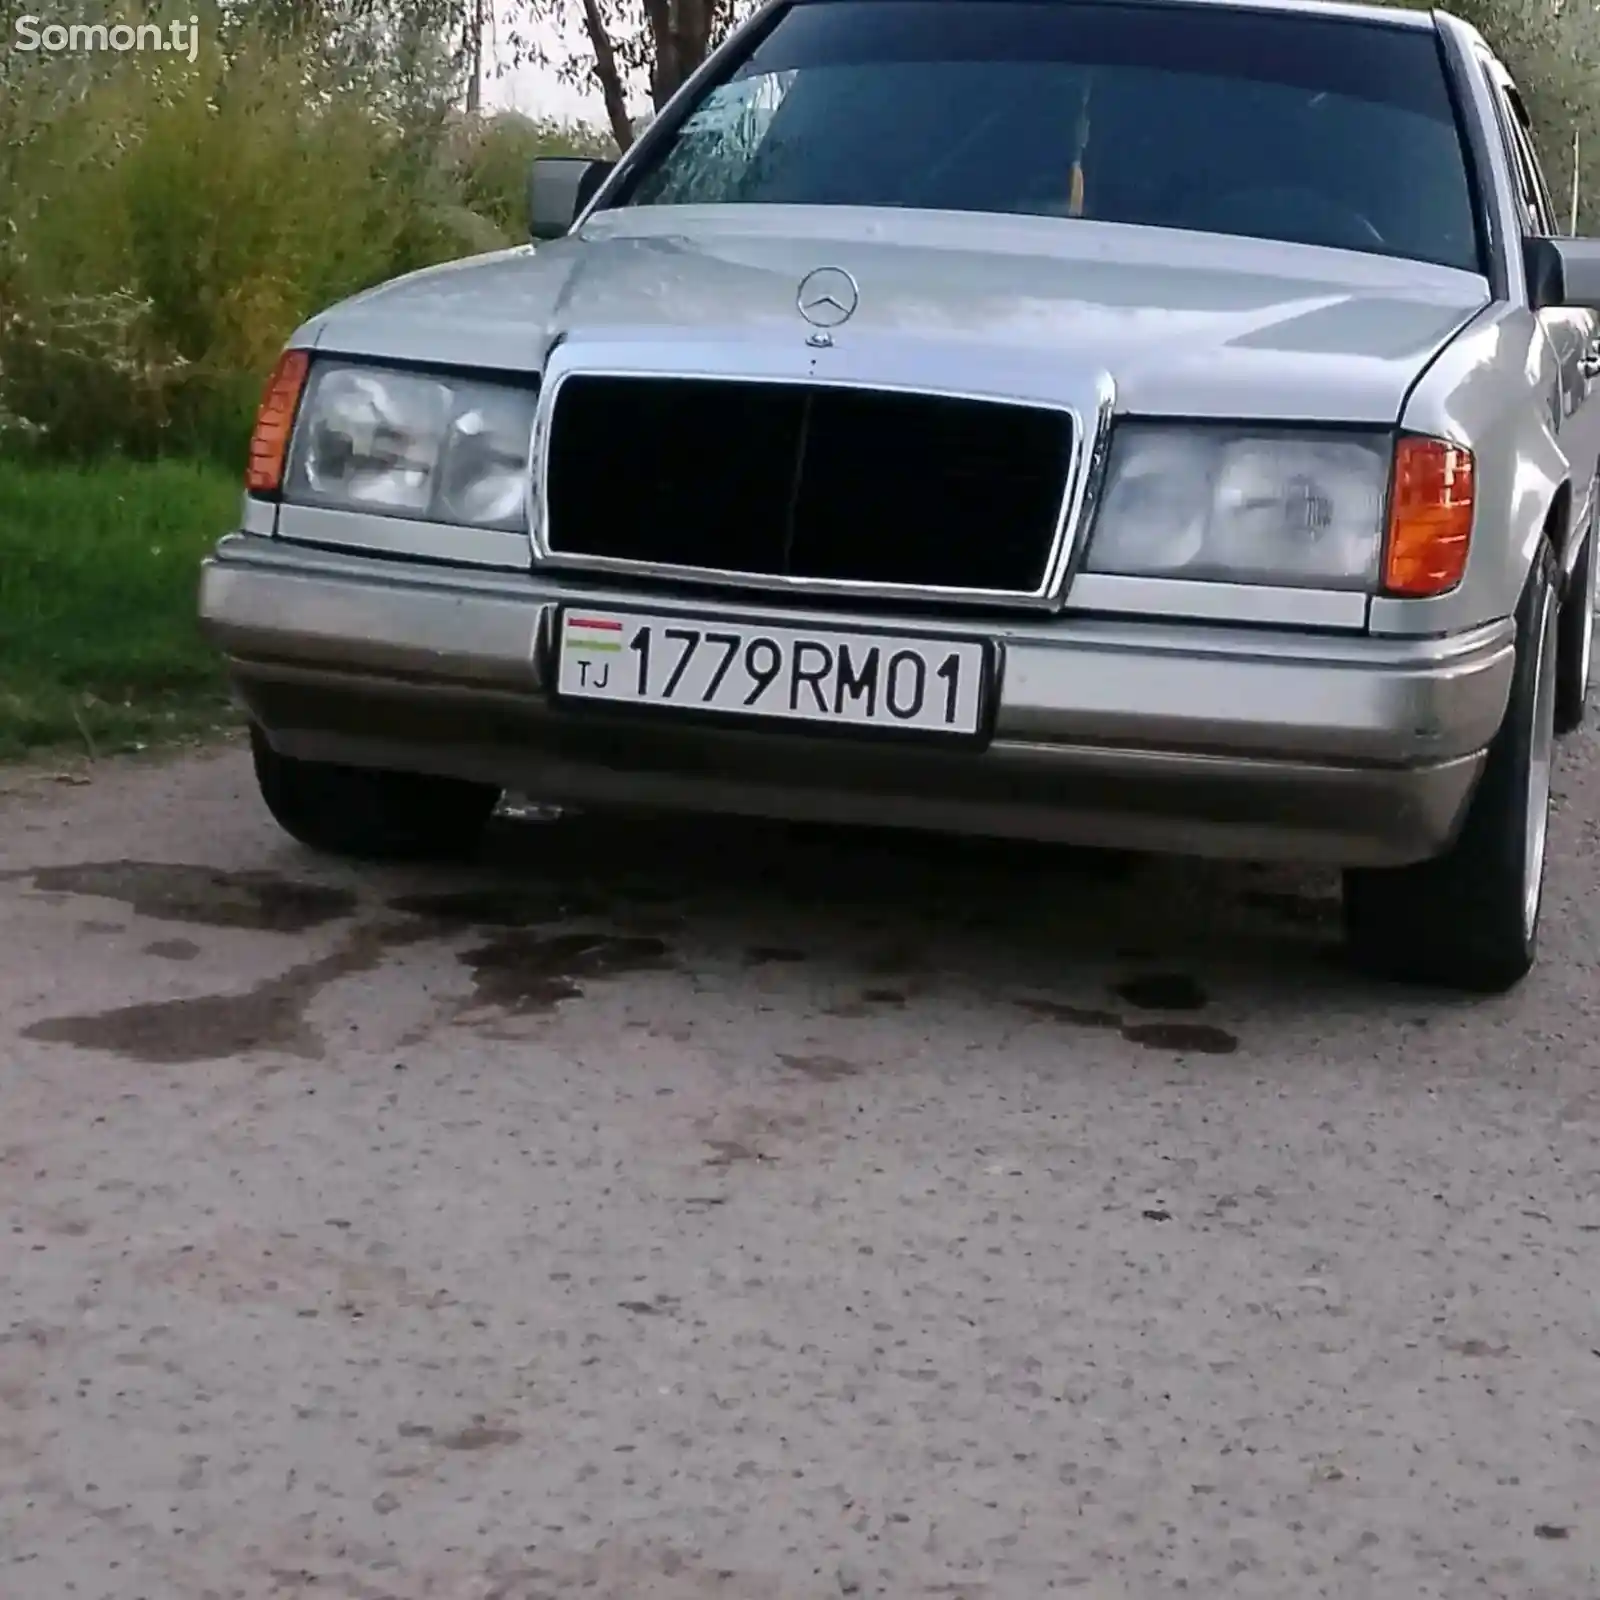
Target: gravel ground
x=689 y=1210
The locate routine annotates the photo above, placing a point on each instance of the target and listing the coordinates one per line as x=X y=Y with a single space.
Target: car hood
x=1184 y=324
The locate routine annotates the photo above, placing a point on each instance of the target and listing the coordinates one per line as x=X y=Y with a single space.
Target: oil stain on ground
x=269 y=1016
x=1172 y=991
x=1154 y=991
x=173 y=949
x=820 y=1069
x=1079 y=1016
x=1191 y=1038
x=174 y=892
x=870 y=1002
x=496 y=908
x=765 y=955
x=525 y=972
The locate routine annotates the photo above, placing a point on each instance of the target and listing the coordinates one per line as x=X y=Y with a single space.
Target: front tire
x=370 y=814
x=1575 y=648
x=1469 y=919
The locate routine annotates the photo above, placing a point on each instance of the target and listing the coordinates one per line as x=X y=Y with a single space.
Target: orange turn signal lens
x=1430 y=517
x=269 y=444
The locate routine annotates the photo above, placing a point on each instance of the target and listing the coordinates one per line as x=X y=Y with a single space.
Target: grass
x=163 y=228
x=99 y=644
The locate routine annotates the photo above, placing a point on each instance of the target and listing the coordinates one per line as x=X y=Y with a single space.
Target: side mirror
x=1563 y=272
x=559 y=187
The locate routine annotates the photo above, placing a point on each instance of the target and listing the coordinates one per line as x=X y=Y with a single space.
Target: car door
x=1583 y=398
x=1574 y=334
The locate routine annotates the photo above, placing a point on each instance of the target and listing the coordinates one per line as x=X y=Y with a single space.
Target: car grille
x=782 y=480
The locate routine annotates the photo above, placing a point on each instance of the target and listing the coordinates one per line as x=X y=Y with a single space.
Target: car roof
x=1394 y=16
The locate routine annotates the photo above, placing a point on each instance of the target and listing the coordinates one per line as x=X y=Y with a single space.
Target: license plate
x=802 y=675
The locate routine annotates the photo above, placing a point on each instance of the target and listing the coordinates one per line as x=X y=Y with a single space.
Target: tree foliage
x=164 y=225
x=622 y=48
x=1553 y=52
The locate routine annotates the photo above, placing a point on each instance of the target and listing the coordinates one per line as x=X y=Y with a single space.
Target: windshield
x=1276 y=125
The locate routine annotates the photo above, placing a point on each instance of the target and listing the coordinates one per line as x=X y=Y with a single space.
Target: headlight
x=411 y=445
x=1299 y=508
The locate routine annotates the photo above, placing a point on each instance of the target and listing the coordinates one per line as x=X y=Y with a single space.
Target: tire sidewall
x=1511 y=760
x=1584 y=591
x=1460 y=921
x=1577 y=616
x=367 y=813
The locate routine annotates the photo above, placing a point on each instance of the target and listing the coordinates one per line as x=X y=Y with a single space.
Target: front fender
x=1496 y=389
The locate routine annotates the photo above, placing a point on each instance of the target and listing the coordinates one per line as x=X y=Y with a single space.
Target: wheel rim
x=1541 y=753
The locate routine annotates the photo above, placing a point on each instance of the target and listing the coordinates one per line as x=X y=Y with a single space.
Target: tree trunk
x=475 y=57
x=680 y=31
x=608 y=74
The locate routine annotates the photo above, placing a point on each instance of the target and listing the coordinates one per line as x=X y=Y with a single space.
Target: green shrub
x=168 y=226
x=164 y=227
x=496 y=155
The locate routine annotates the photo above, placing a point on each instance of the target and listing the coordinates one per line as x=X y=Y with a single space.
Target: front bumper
x=1233 y=742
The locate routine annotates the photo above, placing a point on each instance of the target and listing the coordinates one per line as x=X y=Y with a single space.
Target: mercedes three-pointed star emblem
x=828 y=298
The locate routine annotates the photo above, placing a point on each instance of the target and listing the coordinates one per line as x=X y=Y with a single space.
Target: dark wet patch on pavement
x=867 y=1003
x=1196 y=1038
x=1079 y=1016
x=212 y=1027
x=658 y=1305
x=1476 y=1347
x=173 y=949
x=1163 y=991
x=176 y=892
x=724 y=1152
x=495 y=908
x=476 y=1436
x=822 y=1069
x=530 y=972
x=762 y=955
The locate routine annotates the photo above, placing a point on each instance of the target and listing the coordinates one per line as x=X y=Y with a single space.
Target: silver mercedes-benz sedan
x=1162 y=424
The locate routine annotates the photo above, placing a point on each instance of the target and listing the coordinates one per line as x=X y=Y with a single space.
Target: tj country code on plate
x=788 y=674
